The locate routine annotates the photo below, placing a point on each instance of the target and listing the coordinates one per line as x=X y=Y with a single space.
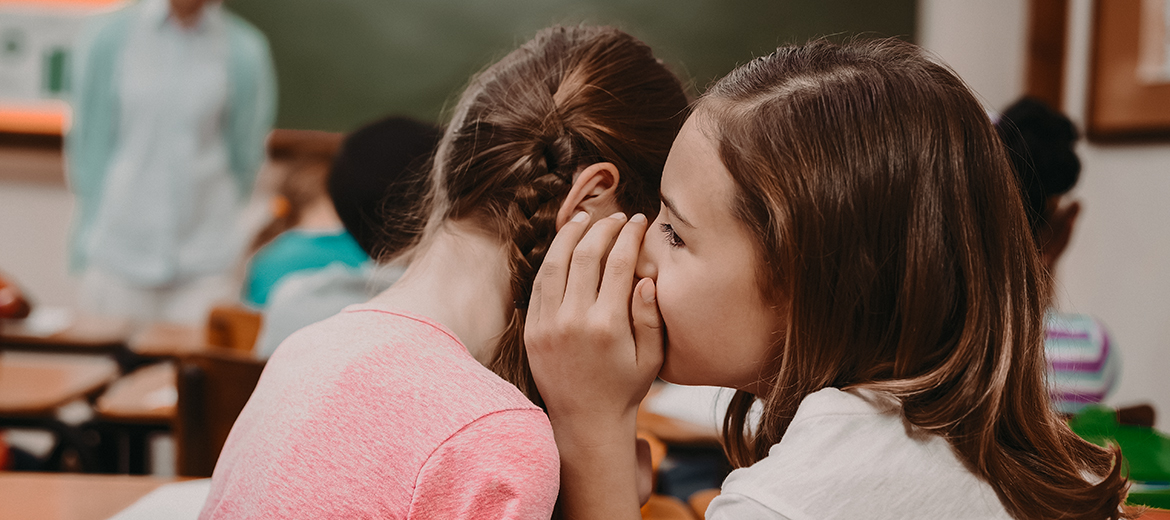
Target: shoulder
x=246 y=39
x=406 y=355
x=852 y=454
x=105 y=31
x=733 y=506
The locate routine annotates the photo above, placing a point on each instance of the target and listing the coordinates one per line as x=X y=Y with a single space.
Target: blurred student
x=304 y=233
x=1083 y=366
x=172 y=101
x=377 y=176
x=391 y=408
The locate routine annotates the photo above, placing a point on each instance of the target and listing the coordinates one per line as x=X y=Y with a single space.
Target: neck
x=460 y=278
x=319 y=215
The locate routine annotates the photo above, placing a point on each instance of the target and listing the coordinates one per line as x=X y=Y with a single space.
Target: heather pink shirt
x=380 y=414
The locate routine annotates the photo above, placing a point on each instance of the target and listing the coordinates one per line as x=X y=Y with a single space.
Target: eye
x=672 y=238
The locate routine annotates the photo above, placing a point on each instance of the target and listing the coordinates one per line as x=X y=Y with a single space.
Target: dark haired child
x=378 y=171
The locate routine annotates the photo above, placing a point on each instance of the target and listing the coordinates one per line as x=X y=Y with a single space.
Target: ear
x=594 y=191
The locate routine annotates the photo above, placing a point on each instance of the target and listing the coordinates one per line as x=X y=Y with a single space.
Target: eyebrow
x=674 y=210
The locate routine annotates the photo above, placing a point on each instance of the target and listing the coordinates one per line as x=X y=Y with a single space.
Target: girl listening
x=841 y=240
x=387 y=409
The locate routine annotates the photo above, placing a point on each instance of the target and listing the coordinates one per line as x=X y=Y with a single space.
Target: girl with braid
x=389 y=408
x=842 y=241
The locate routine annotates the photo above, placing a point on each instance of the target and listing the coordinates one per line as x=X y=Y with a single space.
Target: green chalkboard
x=345 y=62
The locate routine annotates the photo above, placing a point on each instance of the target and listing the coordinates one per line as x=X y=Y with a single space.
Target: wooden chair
x=661 y=507
x=699 y=501
x=133 y=408
x=233 y=326
x=213 y=387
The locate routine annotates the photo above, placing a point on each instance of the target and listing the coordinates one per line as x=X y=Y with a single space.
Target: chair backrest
x=234 y=327
x=213 y=387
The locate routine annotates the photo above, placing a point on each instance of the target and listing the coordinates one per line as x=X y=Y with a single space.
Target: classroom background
x=344 y=63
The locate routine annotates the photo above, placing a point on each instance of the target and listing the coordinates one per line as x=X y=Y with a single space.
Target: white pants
x=187 y=302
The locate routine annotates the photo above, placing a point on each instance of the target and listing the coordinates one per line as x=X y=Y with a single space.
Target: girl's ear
x=594 y=191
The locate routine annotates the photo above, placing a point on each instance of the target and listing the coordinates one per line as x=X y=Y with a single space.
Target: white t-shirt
x=851 y=454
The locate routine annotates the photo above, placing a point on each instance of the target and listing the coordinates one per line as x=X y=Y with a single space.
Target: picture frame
x=1129 y=73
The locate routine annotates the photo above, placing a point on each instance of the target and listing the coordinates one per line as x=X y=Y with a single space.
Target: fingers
x=618 y=279
x=549 y=286
x=585 y=267
x=647 y=325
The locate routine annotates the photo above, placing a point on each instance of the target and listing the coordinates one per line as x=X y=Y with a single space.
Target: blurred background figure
x=378 y=176
x=1082 y=365
x=304 y=232
x=172 y=102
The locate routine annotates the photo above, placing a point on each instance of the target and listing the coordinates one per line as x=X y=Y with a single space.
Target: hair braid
x=570 y=97
x=533 y=215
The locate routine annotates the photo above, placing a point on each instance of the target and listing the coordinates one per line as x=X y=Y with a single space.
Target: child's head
x=843 y=216
x=1040 y=144
x=379 y=173
x=578 y=117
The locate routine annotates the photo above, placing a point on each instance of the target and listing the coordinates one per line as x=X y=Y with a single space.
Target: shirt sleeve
x=734 y=506
x=502 y=466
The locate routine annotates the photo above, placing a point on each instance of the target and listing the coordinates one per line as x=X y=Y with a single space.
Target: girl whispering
x=841 y=240
x=419 y=403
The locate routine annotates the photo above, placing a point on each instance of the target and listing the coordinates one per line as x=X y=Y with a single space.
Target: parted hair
x=892 y=235
x=570 y=97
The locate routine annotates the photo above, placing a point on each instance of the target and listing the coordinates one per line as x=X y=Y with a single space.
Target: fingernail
x=618 y=216
x=581 y=216
x=647 y=291
x=639 y=218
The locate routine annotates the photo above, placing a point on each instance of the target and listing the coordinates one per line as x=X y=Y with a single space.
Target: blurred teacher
x=172 y=101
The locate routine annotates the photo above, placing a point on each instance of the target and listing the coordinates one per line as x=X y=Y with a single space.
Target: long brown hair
x=570 y=97
x=892 y=233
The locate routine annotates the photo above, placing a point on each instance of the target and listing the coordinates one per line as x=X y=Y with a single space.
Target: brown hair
x=570 y=97
x=300 y=185
x=892 y=233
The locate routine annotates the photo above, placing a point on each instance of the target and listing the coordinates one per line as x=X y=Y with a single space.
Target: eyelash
x=672 y=238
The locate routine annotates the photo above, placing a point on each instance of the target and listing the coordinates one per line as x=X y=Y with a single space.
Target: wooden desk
x=86 y=334
x=168 y=340
x=71 y=496
x=147 y=395
x=35 y=384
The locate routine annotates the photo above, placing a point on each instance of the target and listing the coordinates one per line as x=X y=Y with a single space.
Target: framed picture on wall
x=1129 y=78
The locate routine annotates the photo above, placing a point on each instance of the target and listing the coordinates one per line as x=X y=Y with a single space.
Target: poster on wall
x=36 y=48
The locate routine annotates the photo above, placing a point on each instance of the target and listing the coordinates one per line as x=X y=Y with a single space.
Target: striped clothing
x=1082 y=365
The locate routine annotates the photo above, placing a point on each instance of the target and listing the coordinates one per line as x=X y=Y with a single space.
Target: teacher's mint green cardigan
x=93 y=138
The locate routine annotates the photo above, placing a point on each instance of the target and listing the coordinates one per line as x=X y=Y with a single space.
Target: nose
x=647 y=266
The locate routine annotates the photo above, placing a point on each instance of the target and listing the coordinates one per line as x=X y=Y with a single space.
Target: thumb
x=647 y=325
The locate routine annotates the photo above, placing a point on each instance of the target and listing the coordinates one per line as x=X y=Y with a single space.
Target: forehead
x=694 y=177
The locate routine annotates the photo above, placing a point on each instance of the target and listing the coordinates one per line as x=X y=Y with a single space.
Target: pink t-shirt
x=380 y=414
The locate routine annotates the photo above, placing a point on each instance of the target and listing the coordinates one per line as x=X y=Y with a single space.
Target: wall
x=1116 y=266
x=34 y=224
x=345 y=62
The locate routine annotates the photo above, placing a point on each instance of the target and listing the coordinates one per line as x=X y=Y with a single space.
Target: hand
x=594 y=347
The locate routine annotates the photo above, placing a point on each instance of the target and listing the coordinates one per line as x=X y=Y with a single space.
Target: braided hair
x=570 y=97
